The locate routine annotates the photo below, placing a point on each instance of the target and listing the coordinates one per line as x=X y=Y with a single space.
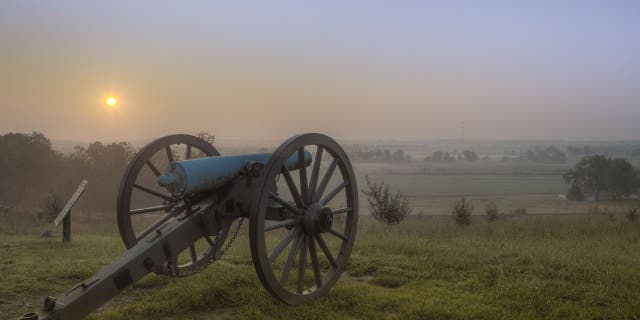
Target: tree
x=29 y=167
x=206 y=136
x=462 y=211
x=620 y=177
x=597 y=173
x=398 y=155
x=589 y=174
x=492 y=211
x=469 y=155
x=386 y=207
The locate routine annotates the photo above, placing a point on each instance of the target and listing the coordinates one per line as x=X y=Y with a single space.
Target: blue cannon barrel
x=206 y=174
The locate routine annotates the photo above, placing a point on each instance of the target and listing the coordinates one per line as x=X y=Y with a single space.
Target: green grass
x=426 y=268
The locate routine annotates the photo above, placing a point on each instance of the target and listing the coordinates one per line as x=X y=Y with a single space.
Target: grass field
x=558 y=261
x=581 y=267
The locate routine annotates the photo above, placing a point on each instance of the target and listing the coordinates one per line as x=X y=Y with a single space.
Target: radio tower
x=462 y=130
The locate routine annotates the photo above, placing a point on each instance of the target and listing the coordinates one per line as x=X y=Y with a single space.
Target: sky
x=390 y=70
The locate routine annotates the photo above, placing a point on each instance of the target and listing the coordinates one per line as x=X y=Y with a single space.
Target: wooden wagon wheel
x=319 y=225
x=139 y=186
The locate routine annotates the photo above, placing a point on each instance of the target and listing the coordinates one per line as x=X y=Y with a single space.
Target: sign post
x=64 y=216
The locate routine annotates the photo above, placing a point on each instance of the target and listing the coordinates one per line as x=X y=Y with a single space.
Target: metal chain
x=234 y=236
x=187 y=271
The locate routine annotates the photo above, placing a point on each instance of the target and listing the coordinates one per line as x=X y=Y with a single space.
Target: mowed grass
x=580 y=267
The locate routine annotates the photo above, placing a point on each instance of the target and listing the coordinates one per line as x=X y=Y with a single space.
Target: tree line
x=381 y=155
x=33 y=172
x=444 y=156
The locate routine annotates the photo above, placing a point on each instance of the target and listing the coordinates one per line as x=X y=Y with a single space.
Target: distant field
x=535 y=187
x=527 y=267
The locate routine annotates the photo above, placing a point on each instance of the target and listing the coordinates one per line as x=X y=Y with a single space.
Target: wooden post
x=66 y=228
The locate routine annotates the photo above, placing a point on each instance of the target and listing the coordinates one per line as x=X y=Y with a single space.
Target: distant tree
x=387 y=155
x=469 y=155
x=438 y=156
x=462 y=211
x=379 y=155
x=29 y=167
x=632 y=214
x=51 y=206
x=104 y=165
x=589 y=174
x=398 y=155
x=386 y=207
x=620 y=177
x=448 y=157
x=491 y=211
x=206 y=136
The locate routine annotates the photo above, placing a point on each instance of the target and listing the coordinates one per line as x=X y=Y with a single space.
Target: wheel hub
x=318 y=219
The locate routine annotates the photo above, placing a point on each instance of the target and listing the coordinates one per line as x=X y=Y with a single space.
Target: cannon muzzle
x=207 y=174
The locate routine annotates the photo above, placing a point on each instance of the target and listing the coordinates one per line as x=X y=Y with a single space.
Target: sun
x=111 y=101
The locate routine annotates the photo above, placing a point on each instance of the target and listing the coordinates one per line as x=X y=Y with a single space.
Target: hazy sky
x=366 y=69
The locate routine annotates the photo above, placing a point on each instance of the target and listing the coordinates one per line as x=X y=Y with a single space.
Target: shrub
x=462 y=211
x=51 y=206
x=492 y=211
x=632 y=214
x=386 y=207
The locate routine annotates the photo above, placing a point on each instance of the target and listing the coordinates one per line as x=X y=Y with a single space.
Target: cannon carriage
x=179 y=200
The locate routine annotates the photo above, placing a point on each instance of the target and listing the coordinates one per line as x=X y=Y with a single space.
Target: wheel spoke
x=285 y=204
x=169 y=153
x=292 y=187
x=341 y=210
x=281 y=224
x=154 y=226
x=290 y=259
x=303 y=175
x=314 y=262
x=313 y=184
x=333 y=193
x=325 y=180
x=150 y=209
x=339 y=235
x=283 y=244
x=302 y=264
x=326 y=251
x=153 y=168
x=152 y=192
x=187 y=154
x=194 y=256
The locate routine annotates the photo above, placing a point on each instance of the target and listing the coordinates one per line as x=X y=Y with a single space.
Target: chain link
x=174 y=271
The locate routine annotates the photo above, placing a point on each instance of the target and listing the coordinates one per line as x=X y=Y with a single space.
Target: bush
x=492 y=211
x=462 y=211
x=51 y=206
x=387 y=208
x=632 y=214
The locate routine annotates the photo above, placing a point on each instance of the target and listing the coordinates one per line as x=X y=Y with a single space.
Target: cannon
x=302 y=215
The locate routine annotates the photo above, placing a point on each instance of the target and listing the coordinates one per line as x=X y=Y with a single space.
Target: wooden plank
x=74 y=198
